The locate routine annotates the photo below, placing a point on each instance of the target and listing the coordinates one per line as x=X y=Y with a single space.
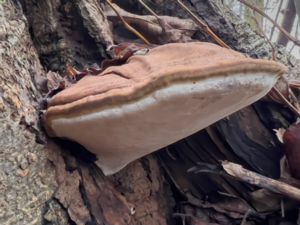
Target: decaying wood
x=130 y=197
x=169 y=29
x=60 y=35
x=95 y=21
x=48 y=185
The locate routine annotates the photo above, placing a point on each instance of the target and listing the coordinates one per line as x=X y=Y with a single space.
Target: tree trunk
x=297 y=5
x=288 y=22
x=45 y=181
x=27 y=177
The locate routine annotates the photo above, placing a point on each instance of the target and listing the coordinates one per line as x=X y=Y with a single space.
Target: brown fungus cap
x=162 y=68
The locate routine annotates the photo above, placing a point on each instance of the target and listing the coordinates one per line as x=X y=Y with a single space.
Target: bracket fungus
x=156 y=99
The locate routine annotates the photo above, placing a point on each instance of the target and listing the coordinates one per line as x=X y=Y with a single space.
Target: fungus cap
x=156 y=99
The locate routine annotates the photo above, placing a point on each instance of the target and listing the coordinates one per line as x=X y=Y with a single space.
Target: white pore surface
x=121 y=134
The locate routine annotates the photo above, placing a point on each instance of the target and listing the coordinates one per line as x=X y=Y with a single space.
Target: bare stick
x=130 y=28
x=245 y=217
x=203 y=25
x=256 y=179
x=149 y=9
x=152 y=12
x=282 y=30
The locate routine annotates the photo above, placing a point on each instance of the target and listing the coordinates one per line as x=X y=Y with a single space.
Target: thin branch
x=282 y=30
x=245 y=217
x=203 y=25
x=276 y=186
x=129 y=27
x=280 y=95
x=282 y=209
x=152 y=12
x=149 y=9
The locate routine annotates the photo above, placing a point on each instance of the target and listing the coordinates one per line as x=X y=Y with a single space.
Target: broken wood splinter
x=256 y=179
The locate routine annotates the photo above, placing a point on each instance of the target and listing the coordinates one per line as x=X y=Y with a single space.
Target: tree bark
x=288 y=22
x=45 y=181
x=27 y=177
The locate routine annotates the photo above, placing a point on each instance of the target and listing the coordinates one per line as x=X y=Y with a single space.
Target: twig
x=281 y=96
x=153 y=13
x=170 y=154
x=129 y=27
x=282 y=209
x=246 y=216
x=149 y=9
x=203 y=25
x=237 y=171
x=282 y=30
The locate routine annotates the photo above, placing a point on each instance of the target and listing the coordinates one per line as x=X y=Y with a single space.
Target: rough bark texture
x=27 y=179
x=46 y=184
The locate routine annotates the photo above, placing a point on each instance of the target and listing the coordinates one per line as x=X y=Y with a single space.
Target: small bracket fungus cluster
x=156 y=99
